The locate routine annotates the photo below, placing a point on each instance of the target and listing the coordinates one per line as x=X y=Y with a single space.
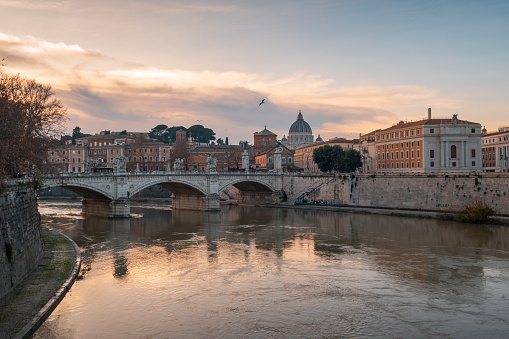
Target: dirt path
x=19 y=308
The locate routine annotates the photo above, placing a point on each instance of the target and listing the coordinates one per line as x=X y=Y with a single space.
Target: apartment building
x=495 y=150
x=427 y=145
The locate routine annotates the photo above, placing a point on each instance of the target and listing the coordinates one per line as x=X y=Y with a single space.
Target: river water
x=280 y=273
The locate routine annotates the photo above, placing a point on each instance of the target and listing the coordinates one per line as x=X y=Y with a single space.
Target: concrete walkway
x=25 y=308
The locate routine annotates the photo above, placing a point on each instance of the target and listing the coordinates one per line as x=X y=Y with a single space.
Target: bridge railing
x=190 y=173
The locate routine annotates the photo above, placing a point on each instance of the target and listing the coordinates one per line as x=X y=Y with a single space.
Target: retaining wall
x=436 y=192
x=21 y=245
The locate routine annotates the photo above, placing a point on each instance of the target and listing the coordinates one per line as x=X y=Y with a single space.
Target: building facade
x=143 y=154
x=495 y=150
x=428 y=145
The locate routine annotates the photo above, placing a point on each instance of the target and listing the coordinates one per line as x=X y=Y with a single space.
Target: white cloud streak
x=103 y=93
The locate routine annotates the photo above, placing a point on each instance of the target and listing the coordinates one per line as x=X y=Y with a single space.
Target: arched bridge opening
x=249 y=191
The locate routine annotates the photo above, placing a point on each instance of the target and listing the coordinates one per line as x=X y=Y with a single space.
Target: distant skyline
x=350 y=66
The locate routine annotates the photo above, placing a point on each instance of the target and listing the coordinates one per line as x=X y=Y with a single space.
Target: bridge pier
x=118 y=208
x=209 y=203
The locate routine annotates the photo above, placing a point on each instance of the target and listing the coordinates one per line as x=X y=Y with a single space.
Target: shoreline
x=28 y=305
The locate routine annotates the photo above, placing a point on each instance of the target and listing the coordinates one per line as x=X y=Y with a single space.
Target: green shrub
x=477 y=212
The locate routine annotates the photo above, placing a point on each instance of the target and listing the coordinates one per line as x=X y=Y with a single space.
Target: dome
x=300 y=126
x=319 y=139
x=284 y=138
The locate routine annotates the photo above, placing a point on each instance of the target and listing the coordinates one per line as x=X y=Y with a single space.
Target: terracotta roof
x=264 y=132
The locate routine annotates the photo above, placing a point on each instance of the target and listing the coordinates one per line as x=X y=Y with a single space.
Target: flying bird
x=263 y=101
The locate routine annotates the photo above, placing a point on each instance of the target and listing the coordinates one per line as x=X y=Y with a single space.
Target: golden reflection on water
x=280 y=272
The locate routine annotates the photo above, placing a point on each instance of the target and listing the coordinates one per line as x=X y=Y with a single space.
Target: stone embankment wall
x=439 y=192
x=21 y=245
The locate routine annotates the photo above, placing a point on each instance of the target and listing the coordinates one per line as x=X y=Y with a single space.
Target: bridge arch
x=83 y=189
x=174 y=186
x=249 y=185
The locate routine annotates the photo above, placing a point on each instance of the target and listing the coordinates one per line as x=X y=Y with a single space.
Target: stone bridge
x=109 y=194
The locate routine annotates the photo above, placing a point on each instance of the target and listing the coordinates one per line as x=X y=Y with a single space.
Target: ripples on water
x=255 y=272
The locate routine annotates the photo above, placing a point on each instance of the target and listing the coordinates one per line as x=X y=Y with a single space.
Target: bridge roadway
x=108 y=194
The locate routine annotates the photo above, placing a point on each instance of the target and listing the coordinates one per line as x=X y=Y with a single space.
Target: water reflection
x=280 y=272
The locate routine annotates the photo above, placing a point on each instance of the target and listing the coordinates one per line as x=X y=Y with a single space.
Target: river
x=250 y=272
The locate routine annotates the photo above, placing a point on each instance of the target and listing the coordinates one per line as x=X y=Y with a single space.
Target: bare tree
x=31 y=119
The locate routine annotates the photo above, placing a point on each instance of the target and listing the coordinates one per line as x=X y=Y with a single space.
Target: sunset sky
x=349 y=66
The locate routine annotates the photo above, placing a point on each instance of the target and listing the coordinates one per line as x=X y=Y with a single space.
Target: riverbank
x=25 y=308
x=494 y=220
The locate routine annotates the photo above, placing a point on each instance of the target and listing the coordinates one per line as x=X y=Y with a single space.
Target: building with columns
x=427 y=145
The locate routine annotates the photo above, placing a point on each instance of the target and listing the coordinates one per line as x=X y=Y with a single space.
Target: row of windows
x=396 y=155
x=403 y=144
x=283 y=160
x=396 y=165
x=400 y=134
x=500 y=139
x=453 y=152
x=453 y=164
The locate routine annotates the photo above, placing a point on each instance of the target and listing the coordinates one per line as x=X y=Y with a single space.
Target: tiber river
x=280 y=273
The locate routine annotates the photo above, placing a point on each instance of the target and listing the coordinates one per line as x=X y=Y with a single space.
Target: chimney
x=429 y=113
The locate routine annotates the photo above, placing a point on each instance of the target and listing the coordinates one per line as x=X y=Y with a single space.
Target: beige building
x=428 y=145
x=495 y=150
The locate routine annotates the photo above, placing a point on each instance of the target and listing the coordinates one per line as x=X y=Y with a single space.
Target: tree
x=159 y=133
x=220 y=141
x=31 y=118
x=334 y=158
x=76 y=134
x=226 y=141
x=201 y=134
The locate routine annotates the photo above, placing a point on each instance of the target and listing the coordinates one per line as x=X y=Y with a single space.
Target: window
x=111 y=151
x=473 y=130
x=418 y=154
x=397 y=157
x=79 y=152
x=473 y=163
x=412 y=144
x=270 y=160
x=453 y=153
x=473 y=153
x=432 y=130
x=412 y=154
x=289 y=160
x=454 y=164
x=73 y=152
x=283 y=160
x=418 y=143
x=95 y=152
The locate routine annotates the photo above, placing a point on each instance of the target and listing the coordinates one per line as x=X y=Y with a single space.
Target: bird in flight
x=263 y=101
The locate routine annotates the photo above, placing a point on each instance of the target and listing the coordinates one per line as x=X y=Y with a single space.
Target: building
x=100 y=150
x=304 y=155
x=266 y=161
x=264 y=141
x=495 y=150
x=229 y=157
x=427 y=145
x=300 y=134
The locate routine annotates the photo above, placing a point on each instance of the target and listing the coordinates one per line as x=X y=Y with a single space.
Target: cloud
x=104 y=93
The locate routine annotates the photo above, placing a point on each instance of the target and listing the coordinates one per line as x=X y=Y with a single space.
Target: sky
x=350 y=66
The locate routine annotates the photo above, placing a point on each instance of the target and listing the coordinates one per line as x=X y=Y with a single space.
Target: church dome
x=300 y=126
x=319 y=139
